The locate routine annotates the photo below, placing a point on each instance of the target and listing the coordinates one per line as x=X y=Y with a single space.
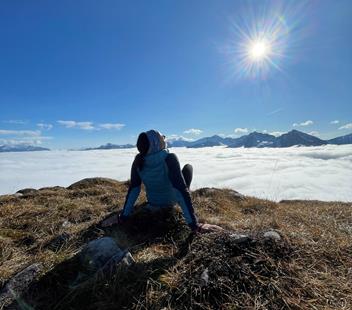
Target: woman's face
x=163 y=142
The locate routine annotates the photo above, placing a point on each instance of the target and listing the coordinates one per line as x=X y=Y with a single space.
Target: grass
x=310 y=268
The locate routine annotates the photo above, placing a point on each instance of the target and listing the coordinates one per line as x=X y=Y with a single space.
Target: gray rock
x=239 y=238
x=19 y=284
x=27 y=191
x=272 y=235
x=101 y=254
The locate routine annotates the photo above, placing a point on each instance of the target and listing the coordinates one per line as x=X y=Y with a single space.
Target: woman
x=164 y=182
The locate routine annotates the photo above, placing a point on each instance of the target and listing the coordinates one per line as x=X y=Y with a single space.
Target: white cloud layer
x=193 y=131
x=29 y=133
x=79 y=125
x=335 y=122
x=347 y=126
x=241 y=130
x=112 y=126
x=171 y=138
x=44 y=126
x=16 y=122
x=323 y=172
x=306 y=123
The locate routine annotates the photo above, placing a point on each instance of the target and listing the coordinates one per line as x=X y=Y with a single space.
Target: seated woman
x=164 y=182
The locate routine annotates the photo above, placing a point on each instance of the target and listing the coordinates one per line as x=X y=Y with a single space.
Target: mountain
x=295 y=137
x=208 y=141
x=21 y=148
x=110 y=146
x=254 y=139
x=178 y=142
x=347 y=139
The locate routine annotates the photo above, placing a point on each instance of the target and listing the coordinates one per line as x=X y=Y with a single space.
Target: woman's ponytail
x=143 y=147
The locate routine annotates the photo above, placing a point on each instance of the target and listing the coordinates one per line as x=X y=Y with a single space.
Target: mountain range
x=254 y=139
x=257 y=139
x=21 y=148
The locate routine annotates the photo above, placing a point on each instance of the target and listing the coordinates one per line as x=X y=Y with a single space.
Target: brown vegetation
x=311 y=267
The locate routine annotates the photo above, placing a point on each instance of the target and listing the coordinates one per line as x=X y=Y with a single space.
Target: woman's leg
x=187 y=173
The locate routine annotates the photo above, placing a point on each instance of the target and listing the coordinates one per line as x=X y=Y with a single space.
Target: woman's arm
x=182 y=192
x=133 y=192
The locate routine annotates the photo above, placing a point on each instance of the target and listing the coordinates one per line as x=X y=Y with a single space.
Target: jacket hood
x=156 y=141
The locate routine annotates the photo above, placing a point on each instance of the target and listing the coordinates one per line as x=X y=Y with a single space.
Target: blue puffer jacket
x=155 y=177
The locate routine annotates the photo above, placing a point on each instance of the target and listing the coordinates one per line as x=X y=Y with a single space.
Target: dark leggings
x=187 y=173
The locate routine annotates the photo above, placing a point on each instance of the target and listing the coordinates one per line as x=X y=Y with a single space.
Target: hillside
x=308 y=266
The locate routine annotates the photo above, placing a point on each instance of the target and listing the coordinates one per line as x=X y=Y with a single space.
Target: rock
x=27 y=191
x=236 y=195
x=205 y=277
x=101 y=254
x=239 y=238
x=272 y=235
x=19 y=284
x=91 y=182
x=17 y=195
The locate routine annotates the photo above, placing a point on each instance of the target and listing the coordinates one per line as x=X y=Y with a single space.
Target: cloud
x=241 y=130
x=280 y=173
x=171 y=138
x=275 y=111
x=334 y=122
x=347 y=126
x=16 y=122
x=306 y=123
x=25 y=140
x=277 y=133
x=31 y=133
x=79 y=125
x=314 y=133
x=193 y=131
x=112 y=126
x=44 y=126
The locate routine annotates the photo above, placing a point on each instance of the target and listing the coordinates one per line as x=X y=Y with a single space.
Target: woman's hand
x=116 y=218
x=203 y=228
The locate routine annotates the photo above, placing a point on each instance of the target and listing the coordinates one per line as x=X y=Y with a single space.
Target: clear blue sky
x=81 y=68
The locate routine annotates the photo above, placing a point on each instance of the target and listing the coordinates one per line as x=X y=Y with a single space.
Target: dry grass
x=310 y=268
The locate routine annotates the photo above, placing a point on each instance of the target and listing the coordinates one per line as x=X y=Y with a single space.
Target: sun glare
x=259 y=44
x=259 y=50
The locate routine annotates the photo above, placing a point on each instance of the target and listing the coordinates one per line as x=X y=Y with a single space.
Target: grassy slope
x=310 y=268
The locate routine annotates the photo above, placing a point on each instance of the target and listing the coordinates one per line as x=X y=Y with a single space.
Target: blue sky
x=84 y=73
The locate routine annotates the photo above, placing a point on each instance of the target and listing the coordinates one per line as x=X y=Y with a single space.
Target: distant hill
x=110 y=146
x=21 y=148
x=296 y=137
x=347 y=139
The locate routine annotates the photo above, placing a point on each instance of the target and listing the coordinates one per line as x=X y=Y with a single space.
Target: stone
x=240 y=238
x=102 y=254
x=19 y=284
x=205 y=277
x=26 y=191
x=272 y=235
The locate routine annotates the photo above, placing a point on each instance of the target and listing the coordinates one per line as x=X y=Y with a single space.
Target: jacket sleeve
x=133 y=191
x=182 y=192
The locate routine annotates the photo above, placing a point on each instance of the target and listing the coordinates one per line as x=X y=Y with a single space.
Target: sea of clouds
x=323 y=173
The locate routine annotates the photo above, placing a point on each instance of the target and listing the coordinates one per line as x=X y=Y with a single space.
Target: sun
x=259 y=50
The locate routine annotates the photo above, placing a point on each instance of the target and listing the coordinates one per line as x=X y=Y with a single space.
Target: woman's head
x=149 y=142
